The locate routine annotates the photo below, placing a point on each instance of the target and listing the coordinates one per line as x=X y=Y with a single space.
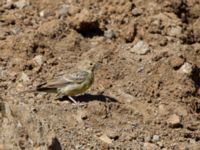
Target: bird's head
x=88 y=66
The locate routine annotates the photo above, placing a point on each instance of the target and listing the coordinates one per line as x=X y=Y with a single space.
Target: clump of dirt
x=146 y=90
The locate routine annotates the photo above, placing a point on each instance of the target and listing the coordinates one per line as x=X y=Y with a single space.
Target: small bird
x=70 y=84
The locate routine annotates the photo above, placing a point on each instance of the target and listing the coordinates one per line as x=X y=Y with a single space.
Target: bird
x=70 y=84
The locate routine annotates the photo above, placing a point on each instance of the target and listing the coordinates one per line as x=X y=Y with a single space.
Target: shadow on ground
x=90 y=97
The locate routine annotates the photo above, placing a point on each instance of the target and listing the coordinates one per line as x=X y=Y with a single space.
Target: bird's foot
x=75 y=102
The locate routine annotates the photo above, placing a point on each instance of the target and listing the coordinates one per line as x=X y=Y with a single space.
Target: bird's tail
x=48 y=90
x=37 y=90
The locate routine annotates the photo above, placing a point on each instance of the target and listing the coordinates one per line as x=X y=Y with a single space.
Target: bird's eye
x=90 y=64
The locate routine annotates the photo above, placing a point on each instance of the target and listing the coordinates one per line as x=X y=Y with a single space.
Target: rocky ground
x=146 y=93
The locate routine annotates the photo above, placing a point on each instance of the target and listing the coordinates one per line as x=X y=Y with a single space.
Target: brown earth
x=146 y=93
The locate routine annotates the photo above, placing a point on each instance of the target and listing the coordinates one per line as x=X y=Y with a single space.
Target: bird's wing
x=72 y=78
x=76 y=77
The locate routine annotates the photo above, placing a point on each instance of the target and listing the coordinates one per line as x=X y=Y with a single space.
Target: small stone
x=162 y=110
x=85 y=15
x=8 y=111
x=9 y=1
x=163 y=41
x=160 y=144
x=125 y=97
x=63 y=10
x=19 y=125
x=147 y=139
x=42 y=13
x=174 y=121
x=150 y=146
x=175 y=31
x=176 y=62
x=105 y=139
x=16 y=30
x=186 y=68
x=49 y=28
x=137 y=12
x=140 y=48
x=78 y=146
x=129 y=33
x=8 y=4
x=156 y=138
x=39 y=59
x=45 y=13
x=109 y=34
x=24 y=77
x=192 y=141
x=21 y=4
x=112 y=135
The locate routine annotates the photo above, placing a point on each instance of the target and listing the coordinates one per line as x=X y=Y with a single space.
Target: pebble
x=45 y=13
x=156 y=138
x=16 y=30
x=8 y=4
x=162 y=110
x=63 y=10
x=174 y=121
x=137 y=12
x=39 y=59
x=8 y=111
x=147 y=139
x=186 y=68
x=175 y=31
x=163 y=41
x=21 y=4
x=78 y=146
x=192 y=141
x=109 y=34
x=105 y=139
x=24 y=77
x=49 y=28
x=112 y=135
x=176 y=62
x=140 y=48
x=125 y=96
x=19 y=125
x=160 y=144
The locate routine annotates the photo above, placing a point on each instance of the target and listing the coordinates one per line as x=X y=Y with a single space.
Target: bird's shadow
x=89 y=97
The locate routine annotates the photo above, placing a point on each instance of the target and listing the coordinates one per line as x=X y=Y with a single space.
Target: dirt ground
x=146 y=93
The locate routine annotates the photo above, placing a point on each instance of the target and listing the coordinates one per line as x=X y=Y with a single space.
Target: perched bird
x=70 y=84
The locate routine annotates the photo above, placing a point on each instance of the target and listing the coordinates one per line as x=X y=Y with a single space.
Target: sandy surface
x=146 y=93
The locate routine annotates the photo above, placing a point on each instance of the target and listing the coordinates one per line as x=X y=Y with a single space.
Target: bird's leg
x=73 y=100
